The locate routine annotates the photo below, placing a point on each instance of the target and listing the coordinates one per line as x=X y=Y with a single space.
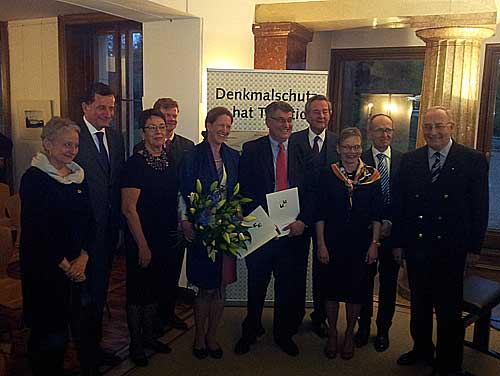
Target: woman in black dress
x=149 y=203
x=56 y=222
x=348 y=232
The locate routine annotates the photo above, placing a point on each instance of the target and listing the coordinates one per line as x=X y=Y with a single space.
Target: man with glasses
x=270 y=164
x=441 y=224
x=320 y=147
x=386 y=159
x=176 y=146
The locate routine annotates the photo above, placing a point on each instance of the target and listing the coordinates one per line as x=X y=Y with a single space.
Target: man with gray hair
x=442 y=220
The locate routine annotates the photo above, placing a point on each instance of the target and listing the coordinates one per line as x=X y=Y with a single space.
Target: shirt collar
x=91 y=128
x=444 y=151
x=276 y=144
x=313 y=135
x=387 y=152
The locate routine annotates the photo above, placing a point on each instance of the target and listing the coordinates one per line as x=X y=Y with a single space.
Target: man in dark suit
x=320 y=148
x=269 y=164
x=441 y=225
x=177 y=146
x=386 y=159
x=101 y=154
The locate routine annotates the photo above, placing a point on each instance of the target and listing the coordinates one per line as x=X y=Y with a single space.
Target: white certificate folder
x=283 y=208
x=261 y=230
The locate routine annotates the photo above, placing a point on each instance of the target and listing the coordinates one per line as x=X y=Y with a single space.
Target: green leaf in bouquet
x=249 y=218
x=220 y=204
x=226 y=237
x=245 y=200
x=192 y=210
x=199 y=187
x=214 y=186
x=231 y=227
x=236 y=189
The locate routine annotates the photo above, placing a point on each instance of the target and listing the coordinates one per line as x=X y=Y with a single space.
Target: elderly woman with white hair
x=56 y=223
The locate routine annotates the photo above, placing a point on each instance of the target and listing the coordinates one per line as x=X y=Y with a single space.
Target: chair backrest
x=4 y=195
x=13 y=207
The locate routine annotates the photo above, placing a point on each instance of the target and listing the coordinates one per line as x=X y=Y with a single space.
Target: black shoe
x=288 y=346
x=159 y=347
x=200 y=353
x=177 y=323
x=320 y=328
x=107 y=358
x=242 y=346
x=140 y=360
x=362 y=336
x=216 y=354
x=381 y=342
x=412 y=357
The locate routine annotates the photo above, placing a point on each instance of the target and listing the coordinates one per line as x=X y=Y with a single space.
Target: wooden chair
x=4 y=195
x=481 y=295
x=13 y=209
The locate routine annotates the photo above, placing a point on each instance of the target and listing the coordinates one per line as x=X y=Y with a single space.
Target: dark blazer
x=199 y=164
x=257 y=172
x=367 y=157
x=451 y=213
x=180 y=146
x=104 y=189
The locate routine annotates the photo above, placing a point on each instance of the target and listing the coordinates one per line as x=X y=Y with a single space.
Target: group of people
x=360 y=209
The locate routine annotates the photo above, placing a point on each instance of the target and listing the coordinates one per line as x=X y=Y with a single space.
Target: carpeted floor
x=265 y=359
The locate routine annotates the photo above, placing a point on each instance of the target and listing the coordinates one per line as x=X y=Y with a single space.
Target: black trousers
x=170 y=278
x=318 y=286
x=436 y=282
x=274 y=258
x=47 y=345
x=388 y=271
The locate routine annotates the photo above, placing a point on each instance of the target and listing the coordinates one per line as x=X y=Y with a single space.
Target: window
x=364 y=82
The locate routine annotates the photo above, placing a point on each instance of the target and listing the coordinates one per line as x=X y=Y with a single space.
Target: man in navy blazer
x=381 y=132
x=101 y=154
x=441 y=224
x=268 y=164
x=320 y=148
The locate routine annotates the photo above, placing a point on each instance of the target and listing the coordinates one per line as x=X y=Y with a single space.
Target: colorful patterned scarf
x=364 y=175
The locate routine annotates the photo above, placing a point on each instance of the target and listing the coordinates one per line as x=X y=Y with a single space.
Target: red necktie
x=281 y=175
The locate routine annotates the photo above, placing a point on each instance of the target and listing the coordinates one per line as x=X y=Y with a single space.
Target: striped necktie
x=436 y=166
x=384 y=177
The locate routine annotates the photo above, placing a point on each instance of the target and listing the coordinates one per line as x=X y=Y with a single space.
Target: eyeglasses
x=282 y=120
x=154 y=128
x=351 y=148
x=380 y=131
x=438 y=126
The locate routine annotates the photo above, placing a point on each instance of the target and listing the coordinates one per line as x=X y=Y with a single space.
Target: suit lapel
x=331 y=148
x=450 y=163
x=267 y=162
x=92 y=148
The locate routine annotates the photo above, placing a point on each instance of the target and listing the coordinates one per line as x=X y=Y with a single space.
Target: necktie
x=103 y=154
x=315 y=148
x=281 y=174
x=384 y=177
x=168 y=145
x=436 y=167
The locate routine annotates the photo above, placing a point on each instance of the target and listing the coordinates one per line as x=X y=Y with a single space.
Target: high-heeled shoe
x=200 y=353
x=348 y=347
x=215 y=354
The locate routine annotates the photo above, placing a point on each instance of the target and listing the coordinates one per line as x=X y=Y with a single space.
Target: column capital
x=436 y=34
x=282 y=29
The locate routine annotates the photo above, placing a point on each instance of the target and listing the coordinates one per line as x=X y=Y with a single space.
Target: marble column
x=451 y=76
x=280 y=45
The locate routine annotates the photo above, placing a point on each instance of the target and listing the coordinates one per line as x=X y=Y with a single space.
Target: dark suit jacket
x=328 y=155
x=367 y=157
x=104 y=189
x=256 y=173
x=180 y=146
x=451 y=213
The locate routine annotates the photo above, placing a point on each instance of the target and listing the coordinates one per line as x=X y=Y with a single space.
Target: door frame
x=486 y=118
